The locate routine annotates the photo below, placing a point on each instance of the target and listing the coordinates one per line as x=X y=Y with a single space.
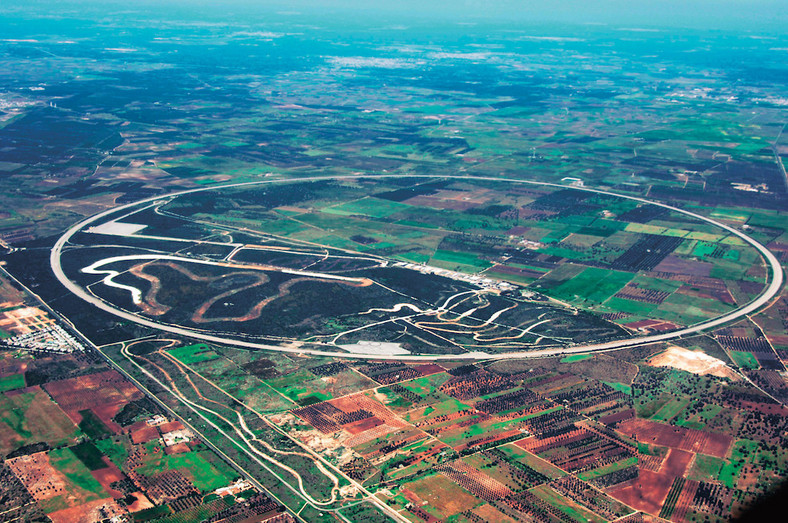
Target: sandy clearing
x=696 y=362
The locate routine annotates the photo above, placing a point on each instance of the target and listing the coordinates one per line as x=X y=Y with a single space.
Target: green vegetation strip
x=575 y=357
x=671 y=409
x=608 y=469
x=13 y=382
x=65 y=461
x=461 y=258
x=568 y=507
x=193 y=353
x=92 y=425
x=673 y=496
x=743 y=451
x=152 y=513
x=626 y=389
x=744 y=360
x=205 y=475
x=706 y=468
x=89 y=455
x=592 y=285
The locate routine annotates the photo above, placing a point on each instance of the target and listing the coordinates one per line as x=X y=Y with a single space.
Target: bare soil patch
x=648 y=492
x=696 y=362
x=38 y=476
x=107 y=476
x=98 y=510
x=680 y=438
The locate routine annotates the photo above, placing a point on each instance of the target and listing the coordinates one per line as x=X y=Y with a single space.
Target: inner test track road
x=770 y=290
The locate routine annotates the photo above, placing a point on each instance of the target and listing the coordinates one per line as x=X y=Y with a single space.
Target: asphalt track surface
x=776 y=279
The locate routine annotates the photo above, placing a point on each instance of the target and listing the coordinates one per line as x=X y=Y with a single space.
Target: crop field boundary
x=770 y=290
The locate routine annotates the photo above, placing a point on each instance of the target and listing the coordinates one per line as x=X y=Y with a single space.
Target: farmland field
x=311 y=262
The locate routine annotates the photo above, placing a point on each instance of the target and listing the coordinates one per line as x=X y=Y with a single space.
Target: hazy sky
x=712 y=14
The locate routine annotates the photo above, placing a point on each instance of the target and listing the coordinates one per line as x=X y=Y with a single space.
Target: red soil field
x=365 y=424
x=109 y=475
x=517 y=231
x=170 y=426
x=685 y=499
x=104 y=392
x=104 y=412
x=429 y=368
x=676 y=463
x=647 y=431
x=652 y=463
x=359 y=430
x=437 y=203
x=9 y=367
x=93 y=511
x=178 y=448
x=778 y=339
x=612 y=419
x=38 y=476
x=143 y=433
x=141 y=502
x=361 y=401
x=648 y=492
x=684 y=267
x=88 y=391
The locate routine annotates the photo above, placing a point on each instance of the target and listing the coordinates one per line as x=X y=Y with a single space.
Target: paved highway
x=771 y=290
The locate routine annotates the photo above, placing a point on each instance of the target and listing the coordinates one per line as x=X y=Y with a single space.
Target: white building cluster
x=485 y=283
x=52 y=338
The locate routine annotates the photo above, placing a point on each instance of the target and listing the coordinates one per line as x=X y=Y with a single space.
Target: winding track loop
x=770 y=290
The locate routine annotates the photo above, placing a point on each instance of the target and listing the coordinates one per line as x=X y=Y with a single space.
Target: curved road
x=770 y=290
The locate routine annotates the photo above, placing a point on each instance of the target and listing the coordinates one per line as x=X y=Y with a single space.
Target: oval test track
x=770 y=290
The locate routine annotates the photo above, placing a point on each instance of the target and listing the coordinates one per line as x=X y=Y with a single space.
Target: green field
x=621 y=387
x=515 y=453
x=372 y=207
x=770 y=219
x=451 y=258
x=576 y=357
x=705 y=468
x=299 y=384
x=89 y=455
x=444 y=408
x=638 y=308
x=744 y=360
x=687 y=310
x=92 y=425
x=593 y=285
x=33 y=416
x=642 y=228
x=13 y=382
x=563 y=504
x=671 y=409
x=116 y=449
x=699 y=420
x=206 y=474
x=81 y=487
x=743 y=451
x=193 y=353
x=608 y=469
x=656 y=284
x=729 y=269
x=427 y=385
x=151 y=513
